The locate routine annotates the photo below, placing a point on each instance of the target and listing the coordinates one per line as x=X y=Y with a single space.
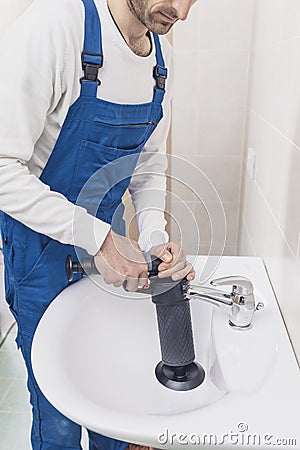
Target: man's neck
x=133 y=31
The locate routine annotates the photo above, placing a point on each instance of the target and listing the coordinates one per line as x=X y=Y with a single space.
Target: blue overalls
x=95 y=133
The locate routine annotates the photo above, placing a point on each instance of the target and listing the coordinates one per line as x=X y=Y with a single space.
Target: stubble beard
x=150 y=20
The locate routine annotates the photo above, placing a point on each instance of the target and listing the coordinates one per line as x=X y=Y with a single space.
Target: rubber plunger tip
x=182 y=378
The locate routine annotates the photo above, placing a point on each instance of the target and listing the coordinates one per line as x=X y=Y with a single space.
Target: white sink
x=96 y=348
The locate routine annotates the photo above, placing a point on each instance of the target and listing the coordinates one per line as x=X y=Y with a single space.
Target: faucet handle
x=240 y=285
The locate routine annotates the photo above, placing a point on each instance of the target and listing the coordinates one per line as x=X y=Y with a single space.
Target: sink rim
x=208 y=416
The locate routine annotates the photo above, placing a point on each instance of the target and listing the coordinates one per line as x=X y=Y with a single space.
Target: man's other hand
x=174 y=262
x=120 y=259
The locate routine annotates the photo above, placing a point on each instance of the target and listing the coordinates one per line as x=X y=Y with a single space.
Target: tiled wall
x=270 y=214
x=211 y=51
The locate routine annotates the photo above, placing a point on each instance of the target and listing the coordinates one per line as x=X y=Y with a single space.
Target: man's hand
x=120 y=259
x=174 y=262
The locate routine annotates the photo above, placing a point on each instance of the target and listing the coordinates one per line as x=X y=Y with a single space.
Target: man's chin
x=160 y=28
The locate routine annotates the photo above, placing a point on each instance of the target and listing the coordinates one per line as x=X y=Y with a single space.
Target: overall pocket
x=7 y=259
x=9 y=280
x=102 y=174
x=9 y=286
x=120 y=136
x=21 y=253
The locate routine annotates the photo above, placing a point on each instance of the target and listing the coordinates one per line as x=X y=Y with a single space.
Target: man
x=77 y=97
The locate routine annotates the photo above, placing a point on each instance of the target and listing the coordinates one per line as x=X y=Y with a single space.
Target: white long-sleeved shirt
x=39 y=81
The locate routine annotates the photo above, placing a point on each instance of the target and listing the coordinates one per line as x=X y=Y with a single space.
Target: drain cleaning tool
x=178 y=369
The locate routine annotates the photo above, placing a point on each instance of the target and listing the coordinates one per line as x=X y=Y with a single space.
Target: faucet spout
x=240 y=302
x=210 y=295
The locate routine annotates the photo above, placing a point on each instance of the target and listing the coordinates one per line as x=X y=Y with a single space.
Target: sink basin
x=96 y=348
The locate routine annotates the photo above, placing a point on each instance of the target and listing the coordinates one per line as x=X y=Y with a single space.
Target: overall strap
x=160 y=72
x=92 y=55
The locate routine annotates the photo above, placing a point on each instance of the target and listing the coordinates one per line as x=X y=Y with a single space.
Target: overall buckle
x=160 y=74
x=90 y=68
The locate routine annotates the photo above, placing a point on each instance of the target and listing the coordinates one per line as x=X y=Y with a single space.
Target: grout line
x=249 y=237
x=275 y=220
x=273 y=44
x=274 y=128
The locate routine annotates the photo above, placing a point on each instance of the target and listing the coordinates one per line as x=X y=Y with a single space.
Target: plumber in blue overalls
x=29 y=297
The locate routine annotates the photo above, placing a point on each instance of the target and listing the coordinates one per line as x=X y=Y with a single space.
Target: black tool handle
x=86 y=266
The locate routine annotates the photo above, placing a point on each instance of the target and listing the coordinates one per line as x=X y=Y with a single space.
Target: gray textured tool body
x=173 y=318
x=178 y=369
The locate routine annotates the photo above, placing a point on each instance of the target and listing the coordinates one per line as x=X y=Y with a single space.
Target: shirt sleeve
x=148 y=184
x=32 y=58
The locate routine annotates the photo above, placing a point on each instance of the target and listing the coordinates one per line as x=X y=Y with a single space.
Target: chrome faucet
x=240 y=302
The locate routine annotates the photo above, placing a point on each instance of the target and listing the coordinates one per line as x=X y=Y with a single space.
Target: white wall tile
x=261 y=80
x=245 y=245
x=259 y=140
x=202 y=216
x=284 y=110
x=182 y=190
x=223 y=172
x=253 y=207
x=184 y=129
x=222 y=78
x=270 y=240
x=185 y=77
x=291 y=110
x=220 y=130
x=284 y=274
x=183 y=225
x=267 y=17
x=276 y=178
x=225 y=24
x=290 y=206
x=186 y=34
x=216 y=25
